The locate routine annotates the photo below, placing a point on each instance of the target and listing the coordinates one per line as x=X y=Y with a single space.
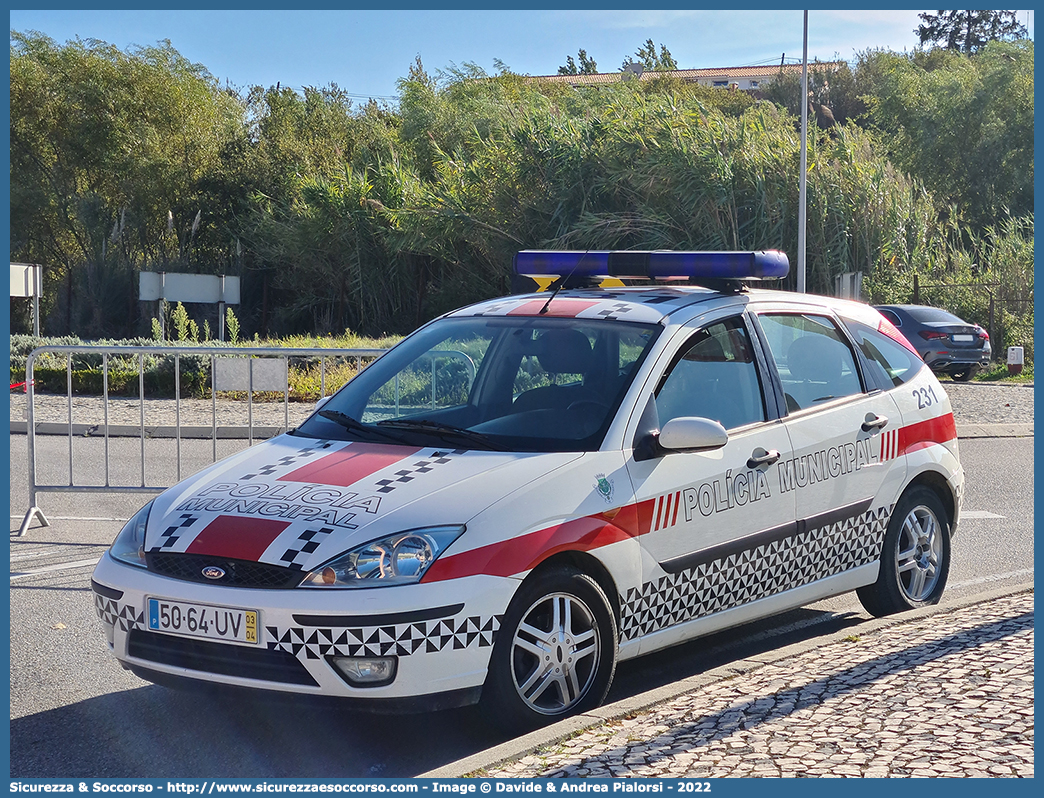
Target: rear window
x=930 y=315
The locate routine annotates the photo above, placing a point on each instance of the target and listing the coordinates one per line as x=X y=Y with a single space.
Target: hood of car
x=297 y=502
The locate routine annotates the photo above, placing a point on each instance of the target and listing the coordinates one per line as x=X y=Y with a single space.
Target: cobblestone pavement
x=980 y=403
x=950 y=694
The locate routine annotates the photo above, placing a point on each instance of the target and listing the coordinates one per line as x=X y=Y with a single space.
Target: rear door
x=843 y=474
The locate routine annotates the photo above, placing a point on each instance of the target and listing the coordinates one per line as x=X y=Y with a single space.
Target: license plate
x=963 y=339
x=203 y=620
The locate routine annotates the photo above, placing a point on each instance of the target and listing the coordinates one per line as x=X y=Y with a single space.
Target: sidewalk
x=935 y=692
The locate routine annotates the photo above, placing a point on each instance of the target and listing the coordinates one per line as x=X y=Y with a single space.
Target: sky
x=367 y=52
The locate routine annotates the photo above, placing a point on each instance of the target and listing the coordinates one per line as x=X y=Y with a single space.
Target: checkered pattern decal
x=113 y=613
x=426 y=637
x=615 y=311
x=753 y=574
x=307 y=542
x=419 y=468
x=289 y=460
x=172 y=533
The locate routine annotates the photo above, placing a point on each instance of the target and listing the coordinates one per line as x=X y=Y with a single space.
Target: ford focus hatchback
x=529 y=490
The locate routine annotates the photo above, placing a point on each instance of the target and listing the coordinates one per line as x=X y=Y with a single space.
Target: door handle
x=760 y=457
x=874 y=421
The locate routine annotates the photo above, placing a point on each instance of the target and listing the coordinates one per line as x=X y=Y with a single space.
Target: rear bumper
x=950 y=361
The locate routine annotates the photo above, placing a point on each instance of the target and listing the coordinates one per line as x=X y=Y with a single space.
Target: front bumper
x=441 y=635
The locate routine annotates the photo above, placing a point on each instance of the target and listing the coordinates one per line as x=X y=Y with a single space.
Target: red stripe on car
x=925 y=433
x=561 y=308
x=237 y=537
x=524 y=553
x=887 y=328
x=351 y=464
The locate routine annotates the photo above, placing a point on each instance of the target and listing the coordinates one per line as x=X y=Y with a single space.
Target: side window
x=815 y=364
x=715 y=377
x=891 y=362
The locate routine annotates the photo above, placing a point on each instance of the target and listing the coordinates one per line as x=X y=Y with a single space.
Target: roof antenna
x=560 y=283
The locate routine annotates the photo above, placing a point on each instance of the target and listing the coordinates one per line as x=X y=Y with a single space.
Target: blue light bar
x=652 y=265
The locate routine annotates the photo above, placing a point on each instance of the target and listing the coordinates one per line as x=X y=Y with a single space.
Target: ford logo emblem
x=213 y=572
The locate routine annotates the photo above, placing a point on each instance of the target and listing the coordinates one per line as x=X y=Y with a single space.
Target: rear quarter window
x=892 y=363
x=892 y=317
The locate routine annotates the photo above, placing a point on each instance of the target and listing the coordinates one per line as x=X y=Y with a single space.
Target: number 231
x=925 y=397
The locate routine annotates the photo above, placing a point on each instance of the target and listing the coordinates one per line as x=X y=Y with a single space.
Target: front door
x=716 y=517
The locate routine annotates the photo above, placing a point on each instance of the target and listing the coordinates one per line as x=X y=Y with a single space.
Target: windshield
x=529 y=384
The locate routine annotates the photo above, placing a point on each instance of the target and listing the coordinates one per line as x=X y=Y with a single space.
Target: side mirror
x=320 y=403
x=688 y=433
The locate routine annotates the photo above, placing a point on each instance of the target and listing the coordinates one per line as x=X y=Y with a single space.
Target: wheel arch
x=936 y=482
x=593 y=567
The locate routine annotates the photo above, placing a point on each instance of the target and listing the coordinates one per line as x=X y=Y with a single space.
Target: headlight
x=399 y=559
x=129 y=546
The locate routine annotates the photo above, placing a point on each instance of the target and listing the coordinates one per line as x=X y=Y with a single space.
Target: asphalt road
x=75 y=713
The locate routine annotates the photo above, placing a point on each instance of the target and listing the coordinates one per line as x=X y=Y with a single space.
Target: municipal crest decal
x=604 y=486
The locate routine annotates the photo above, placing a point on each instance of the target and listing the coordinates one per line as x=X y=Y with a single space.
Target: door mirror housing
x=320 y=403
x=689 y=433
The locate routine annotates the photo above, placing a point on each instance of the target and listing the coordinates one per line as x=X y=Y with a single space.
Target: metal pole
x=33 y=511
x=105 y=411
x=177 y=410
x=213 y=406
x=802 y=216
x=141 y=407
x=993 y=329
x=68 y=373
x=250 y=400
x=37 y=290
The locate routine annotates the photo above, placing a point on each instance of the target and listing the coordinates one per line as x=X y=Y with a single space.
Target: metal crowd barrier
x=231 y=369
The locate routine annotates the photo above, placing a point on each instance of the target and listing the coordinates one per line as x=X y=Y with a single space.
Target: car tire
x=915 y=556
x=555 y=652
x=966 y=374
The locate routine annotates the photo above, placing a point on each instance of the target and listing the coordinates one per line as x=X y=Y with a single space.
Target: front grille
x=221 y=658
x=238 y=573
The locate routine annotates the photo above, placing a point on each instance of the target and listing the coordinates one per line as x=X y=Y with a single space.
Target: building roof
x=766 y=72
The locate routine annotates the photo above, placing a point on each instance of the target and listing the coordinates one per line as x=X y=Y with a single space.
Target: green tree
x=587 y=65
x=968 y=31
x=964 y=127
x=108 y=151
x=650 y=60
x=831 y=86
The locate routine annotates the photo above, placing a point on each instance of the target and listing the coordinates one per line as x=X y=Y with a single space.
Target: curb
x=564 y=729
x=964 y=431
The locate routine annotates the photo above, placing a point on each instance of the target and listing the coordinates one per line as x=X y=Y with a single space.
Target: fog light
x=366 y=671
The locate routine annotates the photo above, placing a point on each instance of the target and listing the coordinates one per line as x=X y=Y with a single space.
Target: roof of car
x=648 y=304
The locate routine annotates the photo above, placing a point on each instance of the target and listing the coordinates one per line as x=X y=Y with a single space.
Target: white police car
x=529 y=490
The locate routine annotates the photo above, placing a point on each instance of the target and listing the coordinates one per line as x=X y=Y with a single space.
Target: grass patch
x=998 y=372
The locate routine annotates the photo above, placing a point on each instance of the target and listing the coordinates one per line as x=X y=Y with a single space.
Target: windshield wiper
x=441 y=430
x=352 y=425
